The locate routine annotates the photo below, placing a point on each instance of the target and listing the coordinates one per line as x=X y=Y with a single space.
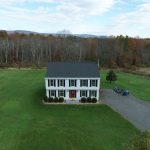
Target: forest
x=28 y=50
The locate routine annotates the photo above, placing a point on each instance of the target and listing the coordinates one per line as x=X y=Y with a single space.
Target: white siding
x=77 y=88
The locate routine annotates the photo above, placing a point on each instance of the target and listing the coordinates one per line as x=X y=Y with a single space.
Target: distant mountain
x=58 y=34
x=22 y=32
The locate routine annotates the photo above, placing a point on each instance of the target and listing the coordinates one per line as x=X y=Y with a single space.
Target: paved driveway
x=134 y=110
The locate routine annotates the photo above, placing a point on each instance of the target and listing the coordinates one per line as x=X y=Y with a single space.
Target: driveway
x=131 y=108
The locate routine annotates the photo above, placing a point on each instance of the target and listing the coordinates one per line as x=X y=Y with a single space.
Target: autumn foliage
x=20 y=50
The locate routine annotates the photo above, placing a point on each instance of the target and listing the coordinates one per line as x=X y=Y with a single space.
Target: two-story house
x=72 y=80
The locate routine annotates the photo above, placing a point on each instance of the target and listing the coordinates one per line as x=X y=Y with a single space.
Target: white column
x=67 y=95
x=56 y=82
x=78 y=83
x=47 y=93
x=67 y=83
x=46 y=83
x=88 y=82
x=88 y=93
x=78 y=95
x=56 y=93
x=97 y=94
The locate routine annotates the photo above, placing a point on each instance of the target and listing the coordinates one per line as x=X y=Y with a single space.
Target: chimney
x=98 y=64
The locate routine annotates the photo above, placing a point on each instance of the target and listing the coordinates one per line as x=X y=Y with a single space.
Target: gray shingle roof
x=72 y=69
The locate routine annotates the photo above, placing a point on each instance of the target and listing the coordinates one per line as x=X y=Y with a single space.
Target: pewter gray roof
x=72 y=70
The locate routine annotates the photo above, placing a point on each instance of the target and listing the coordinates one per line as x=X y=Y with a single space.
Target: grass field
x=138 y=85
x=25 y=124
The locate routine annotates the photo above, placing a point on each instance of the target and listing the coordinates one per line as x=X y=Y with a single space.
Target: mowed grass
x=138 y=85
x=26 y=124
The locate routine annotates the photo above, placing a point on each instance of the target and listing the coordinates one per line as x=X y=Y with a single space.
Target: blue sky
x=100 y=17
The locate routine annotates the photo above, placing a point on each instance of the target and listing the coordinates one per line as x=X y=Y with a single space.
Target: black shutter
x=55 y=93
x=69 y=83
x=58 y=82
x=48 y=83
x=86 y=93
x=90 y=83
x=80 y=93
x=64 y=93
x=64 y=82
x=75 y=82
x=96 y=82
x=49 y=94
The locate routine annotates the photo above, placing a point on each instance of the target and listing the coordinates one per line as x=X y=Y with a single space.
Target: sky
x=99 y=17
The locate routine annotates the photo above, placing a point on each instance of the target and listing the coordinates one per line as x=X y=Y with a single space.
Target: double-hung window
x=51 y=82
x=83 y=93
x=72 y=82
x=61 y=93
x=83 y=83
x=93 y=93
x=93 y=83
x=52 y=93
x=61 y=82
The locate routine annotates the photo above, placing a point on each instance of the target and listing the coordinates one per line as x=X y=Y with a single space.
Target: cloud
x=134 y=22
x=77 y=16
x=66 y=12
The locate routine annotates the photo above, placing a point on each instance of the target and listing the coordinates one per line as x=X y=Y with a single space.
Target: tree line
x=26 y=50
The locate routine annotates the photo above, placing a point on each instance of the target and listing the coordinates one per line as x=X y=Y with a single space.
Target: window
x=83 y=93
x=93 y=93
x=52 y=93
x=61 y=82
x=93 y=83
x=72 y=82
x=83 y=83
x=61 y=93
x=51 y=82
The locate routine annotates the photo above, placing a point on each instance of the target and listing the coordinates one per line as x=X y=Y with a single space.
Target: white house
x=72 y=80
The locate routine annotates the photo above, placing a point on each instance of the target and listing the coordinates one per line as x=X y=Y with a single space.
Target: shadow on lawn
x=38 y=96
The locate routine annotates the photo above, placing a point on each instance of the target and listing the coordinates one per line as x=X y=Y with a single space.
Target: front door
x=72 y=94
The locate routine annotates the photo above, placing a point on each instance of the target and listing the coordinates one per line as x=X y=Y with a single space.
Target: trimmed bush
x=61 y=99
x=89 y=100
x=50 y=100
x=56 y=100
x=45 y=99
x=94 y=100
x=83 y=100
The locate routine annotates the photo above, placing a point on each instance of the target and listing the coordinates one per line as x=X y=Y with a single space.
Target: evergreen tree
x=111 y=76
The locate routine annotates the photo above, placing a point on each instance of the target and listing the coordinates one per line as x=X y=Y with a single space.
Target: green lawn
x=138 y=85
x=25 y=124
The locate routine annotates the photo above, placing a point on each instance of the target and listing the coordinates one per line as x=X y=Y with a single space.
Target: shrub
x=89 y=100
x=140 y=142
x=45 y=99
x=61 y=99
x=56 y=100
x=94 y=100
x=83 y=100
x=50 y=99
